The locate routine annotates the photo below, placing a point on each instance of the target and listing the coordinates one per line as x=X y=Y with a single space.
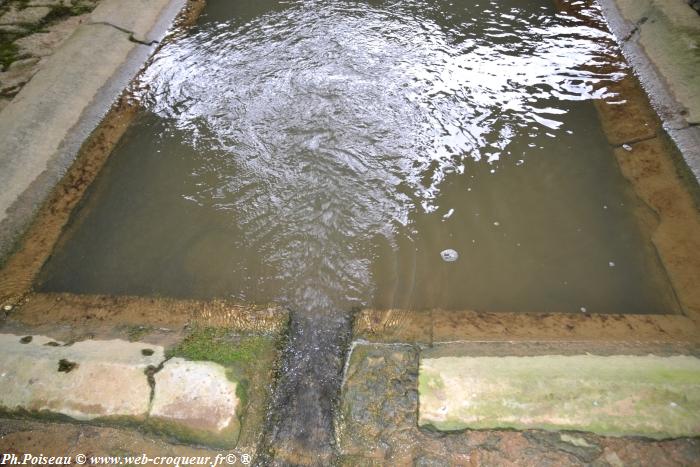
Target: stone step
x=650 y=396
x=108 y=380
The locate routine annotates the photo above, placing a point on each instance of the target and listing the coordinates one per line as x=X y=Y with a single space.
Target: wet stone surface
x=211 y=389
x=198 y=396
x=379 y=427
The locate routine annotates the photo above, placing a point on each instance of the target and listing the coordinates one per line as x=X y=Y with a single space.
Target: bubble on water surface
x=449 y=255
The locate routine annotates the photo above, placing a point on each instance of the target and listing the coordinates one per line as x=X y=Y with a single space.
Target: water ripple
x=323 y=123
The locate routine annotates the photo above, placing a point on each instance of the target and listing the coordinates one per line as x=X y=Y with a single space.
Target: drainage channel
x=300 y=427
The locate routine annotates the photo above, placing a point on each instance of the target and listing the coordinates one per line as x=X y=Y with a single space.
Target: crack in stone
x=131 y=34
x=634 y=141
x=150 y=373
x=635 y=29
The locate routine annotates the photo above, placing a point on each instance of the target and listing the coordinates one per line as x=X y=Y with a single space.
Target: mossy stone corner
x=247 y=363
x=196 y=401
x=650 y=396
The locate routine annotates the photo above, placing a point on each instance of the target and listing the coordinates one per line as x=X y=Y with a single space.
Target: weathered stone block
x=30 y=15
x=196 y=401
x=86 y=380
x=651 y=396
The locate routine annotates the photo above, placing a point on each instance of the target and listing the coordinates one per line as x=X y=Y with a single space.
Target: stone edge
x=686 y=137
x=24 y=208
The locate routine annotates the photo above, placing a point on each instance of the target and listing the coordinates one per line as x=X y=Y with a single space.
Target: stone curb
x=621 y=395
x=44 y=126
x=119 y=381
x=654 y=35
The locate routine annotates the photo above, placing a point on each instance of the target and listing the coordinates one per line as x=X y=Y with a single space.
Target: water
x=324 y=154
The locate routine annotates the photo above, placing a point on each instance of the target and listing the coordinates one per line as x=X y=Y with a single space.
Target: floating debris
x=449 y=255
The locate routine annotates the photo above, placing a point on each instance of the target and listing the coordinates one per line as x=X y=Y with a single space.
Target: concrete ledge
x=44 y=126
x=660 y=38
x=84 y=381
x=146 y=20
x=657 y=397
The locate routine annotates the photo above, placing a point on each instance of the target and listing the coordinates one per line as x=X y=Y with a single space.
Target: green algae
x=219 y=346
x=250 y=361
x=9 y=52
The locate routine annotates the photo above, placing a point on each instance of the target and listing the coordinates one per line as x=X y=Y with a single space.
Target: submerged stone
x=657 y=397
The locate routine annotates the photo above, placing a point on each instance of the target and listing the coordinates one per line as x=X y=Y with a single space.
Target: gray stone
x=29 y=15
x=668 y=33
x=13 y=29
x=44 y=43
x=651 y=396
x=199 y=398
x=17 y=75
x=48 y=3
x=121 y=14
x=44 y=126
x=84 y=381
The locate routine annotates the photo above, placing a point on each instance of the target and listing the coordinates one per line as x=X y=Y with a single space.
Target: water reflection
x=323 y=154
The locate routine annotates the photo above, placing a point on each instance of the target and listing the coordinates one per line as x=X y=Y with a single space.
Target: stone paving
x=378 y=426
x=31 y=31
x=618 y=395
x=133 y=383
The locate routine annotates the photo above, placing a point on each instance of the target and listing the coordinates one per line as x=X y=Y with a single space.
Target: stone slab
x=85 y=381
x=143 y=25
x=29 y=15
x=376 y=425
x=199 y=398
x=656 y=397
x=44 y=126
x=43 y=44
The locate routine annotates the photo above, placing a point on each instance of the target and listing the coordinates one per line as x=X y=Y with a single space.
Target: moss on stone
x=135 y=333
x=617 y=395
x=9 y=52
x=249 y=361
x=217 y=345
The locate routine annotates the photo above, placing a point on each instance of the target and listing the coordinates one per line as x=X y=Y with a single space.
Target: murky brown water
x=324 y=154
